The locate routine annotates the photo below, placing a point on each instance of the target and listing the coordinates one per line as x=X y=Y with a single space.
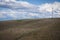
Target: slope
x=38 y=29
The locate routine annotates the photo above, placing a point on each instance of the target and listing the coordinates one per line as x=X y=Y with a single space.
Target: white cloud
x=23 y=9
x=10 y=13
x=7 y=0
x=33 y=14
x=45 y=7
x=1 y=15
x=48 y=7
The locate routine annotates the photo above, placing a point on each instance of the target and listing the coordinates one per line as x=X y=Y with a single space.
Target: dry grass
x=39 y=29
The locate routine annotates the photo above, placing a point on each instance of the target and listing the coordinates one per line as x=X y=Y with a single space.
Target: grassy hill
x=34 y=29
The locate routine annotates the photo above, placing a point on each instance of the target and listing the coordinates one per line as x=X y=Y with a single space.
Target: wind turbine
x=52 y=13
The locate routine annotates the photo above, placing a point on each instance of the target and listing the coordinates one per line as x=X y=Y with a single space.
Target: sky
x=29 y=9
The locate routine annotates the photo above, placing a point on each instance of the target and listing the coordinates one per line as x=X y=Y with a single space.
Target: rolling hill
x=34 y=29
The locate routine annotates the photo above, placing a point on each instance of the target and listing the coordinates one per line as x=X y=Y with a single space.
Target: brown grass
x=39 y=29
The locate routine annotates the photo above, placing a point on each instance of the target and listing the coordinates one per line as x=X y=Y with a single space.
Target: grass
x=39 y=29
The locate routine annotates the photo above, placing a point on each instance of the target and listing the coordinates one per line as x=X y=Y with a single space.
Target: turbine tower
x=52 y=13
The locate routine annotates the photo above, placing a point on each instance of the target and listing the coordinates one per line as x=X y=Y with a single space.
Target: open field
x=35 y=29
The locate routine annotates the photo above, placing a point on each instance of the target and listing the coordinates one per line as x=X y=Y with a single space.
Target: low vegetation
x=39 y=29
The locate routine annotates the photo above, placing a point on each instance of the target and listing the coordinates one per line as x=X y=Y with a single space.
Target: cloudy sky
x=29 y=9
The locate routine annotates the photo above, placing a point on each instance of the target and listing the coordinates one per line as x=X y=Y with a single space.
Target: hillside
x=35 y=29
